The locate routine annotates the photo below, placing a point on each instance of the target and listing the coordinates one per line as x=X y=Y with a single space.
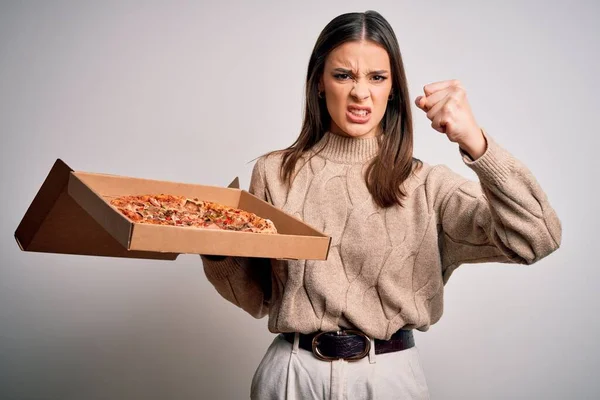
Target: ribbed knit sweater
x=386 y=268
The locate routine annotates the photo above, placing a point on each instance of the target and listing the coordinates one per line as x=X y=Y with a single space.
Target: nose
x=360 y=91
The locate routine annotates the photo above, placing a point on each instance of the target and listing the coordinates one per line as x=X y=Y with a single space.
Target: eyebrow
x=350 y=72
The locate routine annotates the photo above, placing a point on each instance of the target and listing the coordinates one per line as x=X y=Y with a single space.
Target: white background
x=193 y=92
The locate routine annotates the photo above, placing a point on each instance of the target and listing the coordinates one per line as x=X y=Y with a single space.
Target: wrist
x=476 y=146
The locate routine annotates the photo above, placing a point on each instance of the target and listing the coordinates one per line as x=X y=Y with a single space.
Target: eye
x=379 y=78
x=341 y=77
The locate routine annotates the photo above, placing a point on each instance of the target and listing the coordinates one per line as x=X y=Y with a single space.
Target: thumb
x=420 y=100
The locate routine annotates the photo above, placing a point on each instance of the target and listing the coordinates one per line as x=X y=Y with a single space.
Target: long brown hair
x=394 y=162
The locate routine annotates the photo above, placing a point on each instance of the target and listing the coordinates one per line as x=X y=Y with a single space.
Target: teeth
x=359 y=113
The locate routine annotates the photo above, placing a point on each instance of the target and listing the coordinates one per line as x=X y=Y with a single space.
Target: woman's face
x=356 y=83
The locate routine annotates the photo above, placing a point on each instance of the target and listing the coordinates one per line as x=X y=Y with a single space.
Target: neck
x=347 y=149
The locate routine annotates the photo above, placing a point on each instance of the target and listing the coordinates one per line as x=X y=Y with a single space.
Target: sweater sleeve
x=244 y=281
x=505 y=217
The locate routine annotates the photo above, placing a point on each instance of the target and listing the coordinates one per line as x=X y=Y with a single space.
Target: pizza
x=166 y=209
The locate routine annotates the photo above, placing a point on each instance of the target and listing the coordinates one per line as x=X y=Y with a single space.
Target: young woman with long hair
x=399 y=226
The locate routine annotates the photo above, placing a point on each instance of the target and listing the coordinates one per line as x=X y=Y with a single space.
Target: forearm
x=506 y=212
x=243 y=281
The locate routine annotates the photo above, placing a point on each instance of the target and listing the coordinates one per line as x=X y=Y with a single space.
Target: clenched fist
x=448 y=109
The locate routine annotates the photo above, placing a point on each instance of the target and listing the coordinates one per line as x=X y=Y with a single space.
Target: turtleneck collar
x=347 y=149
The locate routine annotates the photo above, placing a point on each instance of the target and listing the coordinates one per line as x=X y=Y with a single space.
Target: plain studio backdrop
x=192 y=92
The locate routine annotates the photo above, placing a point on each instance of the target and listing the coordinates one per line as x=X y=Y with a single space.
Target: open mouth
x=358 y=114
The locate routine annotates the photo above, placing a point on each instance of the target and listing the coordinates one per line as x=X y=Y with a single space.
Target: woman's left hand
x=447 y=107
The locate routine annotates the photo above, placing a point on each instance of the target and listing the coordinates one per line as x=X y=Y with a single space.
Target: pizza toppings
x=166 y=209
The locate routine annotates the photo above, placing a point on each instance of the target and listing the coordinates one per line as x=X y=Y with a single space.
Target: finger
x=436 y=86
x=442 y=116
x=418 y=101
x=430 y=101
x=425 y=103
x=438 y=108
x=438 y=123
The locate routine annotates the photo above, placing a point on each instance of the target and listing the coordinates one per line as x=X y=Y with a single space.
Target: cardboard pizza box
x=71 y=214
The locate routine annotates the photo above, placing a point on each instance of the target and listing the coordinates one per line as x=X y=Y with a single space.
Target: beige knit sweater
x=387 y=268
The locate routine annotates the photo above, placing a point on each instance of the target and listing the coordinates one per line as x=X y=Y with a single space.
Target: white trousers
x=289 y=372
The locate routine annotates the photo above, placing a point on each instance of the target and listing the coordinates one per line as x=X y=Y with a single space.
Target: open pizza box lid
x=71 y=214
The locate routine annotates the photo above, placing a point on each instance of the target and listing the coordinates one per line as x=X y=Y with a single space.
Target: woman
x=399 y=226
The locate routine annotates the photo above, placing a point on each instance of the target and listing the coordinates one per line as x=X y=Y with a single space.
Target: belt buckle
x=322 y=357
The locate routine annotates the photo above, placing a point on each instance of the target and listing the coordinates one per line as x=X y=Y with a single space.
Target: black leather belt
x=350 y=345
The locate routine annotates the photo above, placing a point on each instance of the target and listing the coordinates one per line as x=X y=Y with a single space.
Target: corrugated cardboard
x=72 y=214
